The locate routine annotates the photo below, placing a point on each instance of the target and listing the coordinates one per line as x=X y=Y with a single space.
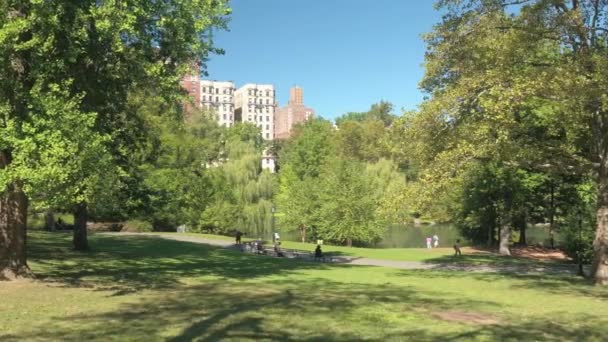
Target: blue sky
x=345 y=54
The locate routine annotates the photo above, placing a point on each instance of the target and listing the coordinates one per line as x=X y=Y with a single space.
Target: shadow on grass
x=131 y=263
x=501 y=264
x=311 y=309
x=555 y=284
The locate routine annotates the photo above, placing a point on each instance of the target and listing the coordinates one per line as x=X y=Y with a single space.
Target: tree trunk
x=13 y=223
x=349 y=242
x=490 y=235
x=522 y=236
x=522 y=223
x=552 y=217
x=505 y=236
x=599 y=269
x=80 y=240
x=49 y=219
x=303 y=233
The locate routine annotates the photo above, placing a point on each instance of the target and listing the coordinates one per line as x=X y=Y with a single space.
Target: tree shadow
x=131 y=263
x=234 y=309
x=307 y=310
x=561 y=284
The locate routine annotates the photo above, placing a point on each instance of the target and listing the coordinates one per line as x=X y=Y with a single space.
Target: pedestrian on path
x=457 y=251
x=429 y=242
x=435 y=241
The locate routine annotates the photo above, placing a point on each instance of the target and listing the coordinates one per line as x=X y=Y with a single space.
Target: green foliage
x=241 y=192
x=381 y=111
x=137 y=226
x=348 y=211
x=309 y=148
x=364 y=141
x=578 y=231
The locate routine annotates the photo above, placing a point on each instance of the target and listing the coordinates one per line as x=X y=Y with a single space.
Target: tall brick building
x=295 y=112
x=192 y=84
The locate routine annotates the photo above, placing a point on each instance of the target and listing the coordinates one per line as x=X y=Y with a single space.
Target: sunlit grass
x=145 y=288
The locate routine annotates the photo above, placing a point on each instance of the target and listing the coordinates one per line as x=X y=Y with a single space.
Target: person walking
x=238 y=237
x=457 y=251
x=429 y=242
x=435 y=241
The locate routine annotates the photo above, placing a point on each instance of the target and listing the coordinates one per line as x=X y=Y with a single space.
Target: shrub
x=137 y=226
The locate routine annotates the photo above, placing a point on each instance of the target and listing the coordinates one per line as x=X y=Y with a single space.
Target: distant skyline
x=345 y=54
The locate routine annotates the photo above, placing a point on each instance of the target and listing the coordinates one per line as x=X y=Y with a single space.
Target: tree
x=309 y=147
x=348 y=209
x=381 y=111
x=91 y=55
x=298 y=200
x=548 y=51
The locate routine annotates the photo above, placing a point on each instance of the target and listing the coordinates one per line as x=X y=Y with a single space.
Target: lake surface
x=412 y=236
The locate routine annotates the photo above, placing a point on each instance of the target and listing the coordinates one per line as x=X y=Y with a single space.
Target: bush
x=578 y=234
x=137 y=226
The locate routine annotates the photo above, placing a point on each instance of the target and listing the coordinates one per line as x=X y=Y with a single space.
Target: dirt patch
x=530 y=252
x=539 y=253
x=466 y=317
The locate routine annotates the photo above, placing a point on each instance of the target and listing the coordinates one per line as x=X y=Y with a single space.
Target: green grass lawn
x=434 y=255
x=139 y=288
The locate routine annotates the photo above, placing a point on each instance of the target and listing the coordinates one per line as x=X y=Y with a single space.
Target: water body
x=412 y=236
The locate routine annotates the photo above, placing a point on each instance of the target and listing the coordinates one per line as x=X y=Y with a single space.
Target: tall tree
x=551 y=54
x=92 y=54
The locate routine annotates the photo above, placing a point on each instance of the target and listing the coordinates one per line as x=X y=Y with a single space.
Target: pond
x=414 y=236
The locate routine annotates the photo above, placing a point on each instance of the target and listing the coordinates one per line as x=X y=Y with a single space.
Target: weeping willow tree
x=244 y=192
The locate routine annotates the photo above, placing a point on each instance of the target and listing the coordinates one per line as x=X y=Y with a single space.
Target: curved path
x=554 y=269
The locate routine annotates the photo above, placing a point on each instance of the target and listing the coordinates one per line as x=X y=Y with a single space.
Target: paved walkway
x=555 y=269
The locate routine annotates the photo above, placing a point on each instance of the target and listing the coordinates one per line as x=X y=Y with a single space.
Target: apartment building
x=295 y=112
x=218 y=96
x=192 y=85
x=256 y=103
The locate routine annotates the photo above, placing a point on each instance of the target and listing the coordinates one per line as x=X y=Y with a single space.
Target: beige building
x=295 y=112
x=219 y=97
x=256 y=103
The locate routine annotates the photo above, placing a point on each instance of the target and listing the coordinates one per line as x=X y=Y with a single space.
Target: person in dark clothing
x=238 y=237
x=318 y=252
x=457 y=251
x=277 y=250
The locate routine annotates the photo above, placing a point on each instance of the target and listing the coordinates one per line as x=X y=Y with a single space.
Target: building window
x=267 y=127
x=217 y=99
x=224 y=116
x=267 y=101
x=267 y=92
x=217 y=90
x=267 y=118
x=267 y=135
x=267 y=110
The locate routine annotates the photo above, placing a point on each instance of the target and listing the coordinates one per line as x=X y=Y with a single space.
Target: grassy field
x=138 y=288
x=435 y=255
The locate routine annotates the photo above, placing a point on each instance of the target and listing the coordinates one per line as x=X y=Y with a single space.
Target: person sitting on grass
x=318 y=252
x=457 y=248
x=277 y=250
